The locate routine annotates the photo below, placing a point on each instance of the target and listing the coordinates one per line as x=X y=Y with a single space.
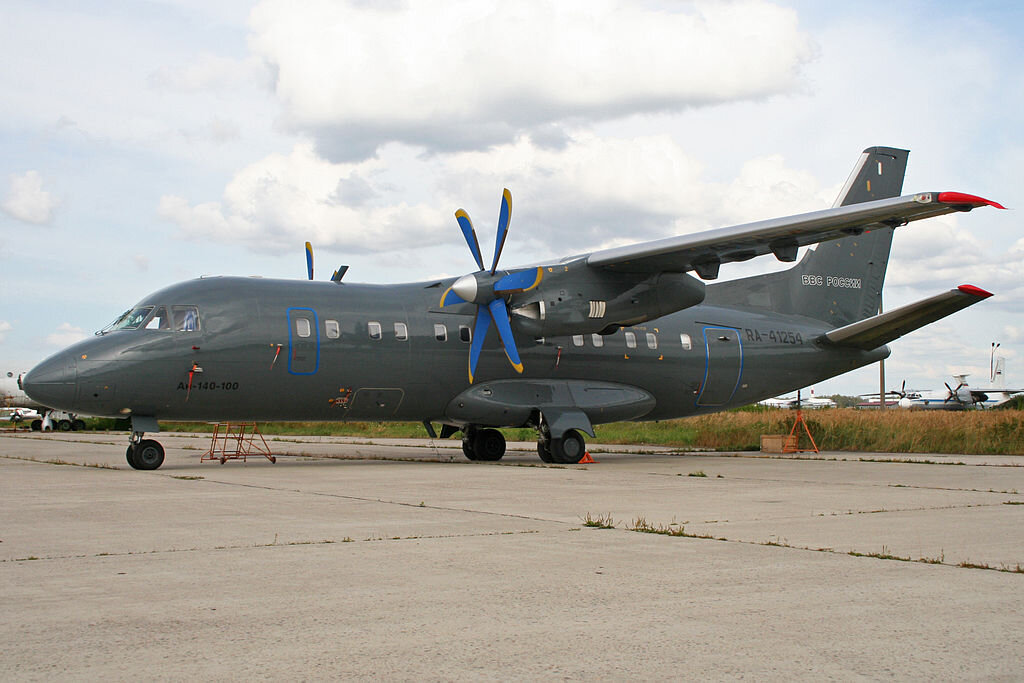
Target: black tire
x=37 y=425
x=64 y=425
x=149 y=455
x=488 y=445
x=77 y=425
x=129 y=455
x=467 y=449
x=544 y=451
x=569 y=449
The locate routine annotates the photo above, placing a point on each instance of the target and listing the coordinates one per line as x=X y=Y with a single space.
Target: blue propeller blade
x=309 y=260
x=504 y=218
x=522 y=281
x=470 y=234
x=480 y=328
x=501 y=321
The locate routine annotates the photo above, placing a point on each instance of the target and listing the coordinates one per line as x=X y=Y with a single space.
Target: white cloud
x=282 y=200
x=594 y=192
x=27 y=201
x=5 y=327
x=65 y=335
x=458 y=75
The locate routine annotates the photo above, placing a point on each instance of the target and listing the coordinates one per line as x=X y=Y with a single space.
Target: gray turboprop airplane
x=618 y=334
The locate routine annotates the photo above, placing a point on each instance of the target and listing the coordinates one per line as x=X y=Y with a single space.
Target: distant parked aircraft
x=957 y=396
x=812 y=402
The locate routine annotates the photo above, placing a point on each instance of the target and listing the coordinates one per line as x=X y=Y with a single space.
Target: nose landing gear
x=144 y=454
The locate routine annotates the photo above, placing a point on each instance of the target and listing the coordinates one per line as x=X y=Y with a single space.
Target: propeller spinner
x=490 y=290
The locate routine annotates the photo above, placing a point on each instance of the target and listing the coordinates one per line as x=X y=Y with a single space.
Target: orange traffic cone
x=586 y=459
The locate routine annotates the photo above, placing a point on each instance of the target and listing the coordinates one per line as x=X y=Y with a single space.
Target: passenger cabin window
x=465 y=334
x=401 y=332
x=332 y=329
x=652 y=340
x=440 y=332
x=160 y=320
x=302 y=327
x=186 y=318
x=577 y=340
x=598 y=340
x=630 y=340
x=685 y=340
x=374 y=330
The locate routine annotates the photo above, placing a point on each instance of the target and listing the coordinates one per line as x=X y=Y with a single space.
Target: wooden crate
x=777 y=443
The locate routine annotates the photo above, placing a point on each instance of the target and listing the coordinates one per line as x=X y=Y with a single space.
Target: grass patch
x=640 y=524
x=600 y=522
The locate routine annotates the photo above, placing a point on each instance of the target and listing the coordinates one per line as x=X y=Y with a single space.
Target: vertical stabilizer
x=839 y=282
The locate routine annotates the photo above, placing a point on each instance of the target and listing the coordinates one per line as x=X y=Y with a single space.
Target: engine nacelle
x=576 y=299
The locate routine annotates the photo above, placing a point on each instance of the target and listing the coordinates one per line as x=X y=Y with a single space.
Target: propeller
x=490 y=290
x=954 y=394
x=335 y=277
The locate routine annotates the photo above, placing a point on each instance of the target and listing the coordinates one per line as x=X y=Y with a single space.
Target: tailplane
x=838 y=282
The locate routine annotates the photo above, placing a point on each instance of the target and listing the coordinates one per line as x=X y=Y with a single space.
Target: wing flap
x=705 y=251
x=875 y=331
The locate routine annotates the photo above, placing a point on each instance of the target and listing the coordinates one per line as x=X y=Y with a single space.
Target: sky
x=145 y=143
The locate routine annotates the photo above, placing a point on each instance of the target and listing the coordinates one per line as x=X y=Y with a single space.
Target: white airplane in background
x=812 y=403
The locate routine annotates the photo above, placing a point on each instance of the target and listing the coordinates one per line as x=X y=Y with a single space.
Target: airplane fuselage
x=298 y=350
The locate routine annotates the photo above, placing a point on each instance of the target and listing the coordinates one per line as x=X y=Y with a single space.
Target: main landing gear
x=565 y=451
x=488 y=445
x=144 y=454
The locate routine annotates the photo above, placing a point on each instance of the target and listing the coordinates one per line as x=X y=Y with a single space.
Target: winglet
x=967 y=199
x=976 y=291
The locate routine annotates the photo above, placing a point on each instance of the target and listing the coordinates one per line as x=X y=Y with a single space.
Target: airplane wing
x=875 y=331
x=704 y=252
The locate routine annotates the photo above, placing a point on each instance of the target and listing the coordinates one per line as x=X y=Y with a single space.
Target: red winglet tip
x=976 y=291
x=961 y=198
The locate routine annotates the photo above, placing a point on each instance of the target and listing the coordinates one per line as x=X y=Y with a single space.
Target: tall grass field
x=992 y=432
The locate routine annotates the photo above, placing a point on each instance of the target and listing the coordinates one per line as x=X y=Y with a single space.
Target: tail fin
x=838 y=282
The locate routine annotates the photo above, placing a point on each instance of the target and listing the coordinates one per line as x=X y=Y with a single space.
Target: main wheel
x=488 y=445
x=569 y=449
x=77 y=425
x=468 y=437
x=64 y=425
x=544 y=450
x=37 y=425
x=149 y=455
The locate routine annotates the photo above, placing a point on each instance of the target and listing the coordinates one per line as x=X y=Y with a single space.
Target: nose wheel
x=144 y=454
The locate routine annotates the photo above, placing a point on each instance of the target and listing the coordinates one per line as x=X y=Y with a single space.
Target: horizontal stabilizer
x=883 y=328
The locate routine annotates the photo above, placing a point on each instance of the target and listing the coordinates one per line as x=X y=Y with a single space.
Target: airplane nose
x=53 y=382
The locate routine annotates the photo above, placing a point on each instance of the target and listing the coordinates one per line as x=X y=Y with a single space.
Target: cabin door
x=723 y=367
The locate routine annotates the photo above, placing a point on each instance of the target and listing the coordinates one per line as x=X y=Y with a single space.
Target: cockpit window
x=131 y=319
x=186 y=318
x=159 y=320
